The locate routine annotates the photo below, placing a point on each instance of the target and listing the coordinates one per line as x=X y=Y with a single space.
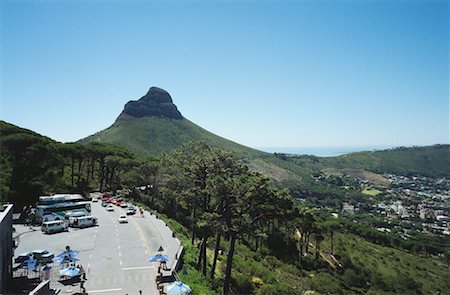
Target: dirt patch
x=376 y=179
x=272 y=171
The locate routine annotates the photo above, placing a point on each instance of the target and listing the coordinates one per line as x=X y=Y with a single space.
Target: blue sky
x=264 y=74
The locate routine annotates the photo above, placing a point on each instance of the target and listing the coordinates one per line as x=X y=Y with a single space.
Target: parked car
x=123 y=219
x=49 y=227
x=124 y=205
x=84 y=221
x=74 y=214
x=40 y=255
x=130 y=211
x=43 y=255
x=109 y=208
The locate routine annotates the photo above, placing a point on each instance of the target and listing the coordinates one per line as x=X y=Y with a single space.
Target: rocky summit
x=156 y=103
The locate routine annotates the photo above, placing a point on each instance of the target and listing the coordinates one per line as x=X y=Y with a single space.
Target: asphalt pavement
x=113 y=255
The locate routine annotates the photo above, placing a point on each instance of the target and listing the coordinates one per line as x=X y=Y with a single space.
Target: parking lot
x=114 y=255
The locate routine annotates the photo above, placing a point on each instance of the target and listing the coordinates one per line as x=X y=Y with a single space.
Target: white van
x=74 y=214
x=53 y=226
x=84 y=221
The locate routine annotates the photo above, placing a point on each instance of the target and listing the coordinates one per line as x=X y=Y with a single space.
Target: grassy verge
x=385 y=269
x=198 y=283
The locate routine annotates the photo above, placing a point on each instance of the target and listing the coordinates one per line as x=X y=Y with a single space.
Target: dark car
x=41 y=256
x=22 y=258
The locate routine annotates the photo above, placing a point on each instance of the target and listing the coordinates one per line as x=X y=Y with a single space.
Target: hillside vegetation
x=34 y=165
x=243 y=235
x=433 y=161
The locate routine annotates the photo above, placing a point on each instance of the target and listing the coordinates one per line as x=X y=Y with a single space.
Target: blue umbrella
x=178 y=288
x=31 y=263
x=67 y=256
x=70 y=271
x=71 y=253
x=66 y=259
x=158 y=257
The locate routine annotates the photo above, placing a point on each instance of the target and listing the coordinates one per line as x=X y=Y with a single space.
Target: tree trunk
x=300 y=254
x=72 y=171
x=307 y=243
x=317 y=247
x=331 y=241
x=302 y=244
x=205 y=243
x=193 y=226
x=80 y=170
x=101 y=174
x=200 y=255
x=227 y=281
x=216 y=255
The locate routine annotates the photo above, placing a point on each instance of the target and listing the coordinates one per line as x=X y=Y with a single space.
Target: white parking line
x=105 y=290
x=137 y=267
x=120 y=262
x=90 y=256
x=118 y=247
x=141 y=234
x=120 y=254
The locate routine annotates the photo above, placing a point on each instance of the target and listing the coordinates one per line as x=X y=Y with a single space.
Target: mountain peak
x=156 y=103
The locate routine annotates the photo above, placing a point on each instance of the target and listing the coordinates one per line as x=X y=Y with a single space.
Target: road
x=114 y=255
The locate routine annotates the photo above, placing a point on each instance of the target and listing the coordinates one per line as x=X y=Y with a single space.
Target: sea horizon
x=323 y=151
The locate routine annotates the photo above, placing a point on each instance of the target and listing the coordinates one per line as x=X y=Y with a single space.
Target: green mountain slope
x=153 y=124
x=154 y=135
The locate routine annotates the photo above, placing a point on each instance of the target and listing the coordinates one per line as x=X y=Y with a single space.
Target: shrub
x=242 y=284
x=407 y=283
x=352 y=279
x=277 y=289
x=325 y=283
x=257 y=281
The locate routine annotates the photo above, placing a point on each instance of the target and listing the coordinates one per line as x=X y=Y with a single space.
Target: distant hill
x=153 y=124
x=7 y=129
x=433 y=161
